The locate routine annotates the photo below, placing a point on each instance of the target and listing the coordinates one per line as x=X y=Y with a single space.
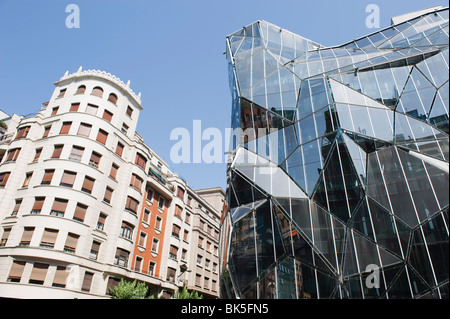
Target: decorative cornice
x=106 y=76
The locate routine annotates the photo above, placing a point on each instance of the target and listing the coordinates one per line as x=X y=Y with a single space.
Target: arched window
x=81 y=89
x=113 y=98
x=97 y=91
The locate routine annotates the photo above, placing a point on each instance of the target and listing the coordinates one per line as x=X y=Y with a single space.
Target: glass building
x=338 y=175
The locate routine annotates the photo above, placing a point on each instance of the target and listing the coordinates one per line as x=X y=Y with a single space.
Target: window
x=95 y=248
x=46 y=131
x=57 y=151
x=13 y=155
x=37 y=206
x=97 y=91
x=126 y=231
x=112 y=98
x=200 y=242
x=173 y=252
x=4 y=178
x=16 y=208
x=155 y=245
x=65 y=128
x=71 y=243
x=49 y=238
x=23 y=132
x=55 y=110
x=178 y=211
x=176 y=231
x=88 y=184
x=180 y=192
x=129 y=111
x=183 y=254
x=119 y=149
x=48 y=175
x=26 y=182
x=102 y=136
x=198 y=280
x=199 y=260
x=171 y=272
x=26 y=236
x=208 y=246
x=112 y=282
x=151 y=268
x=189 y=201
x=206 y=283
x=59 y=207
x=91 y=109
x=38 y=273
x=62 y=93
x=74 y=107
x=136 y=182
x=131 y=205
x=207 y=262
x=124 y=128
x=140 y=160
x=76 y=153
x=113 y=172
x=81 y=89
x=121 y=258
x=87 y=281
x=15 y=274
x=6 y=232
x=158 y=223
x=80 y=212
x=37 y=154
x=142 y=239
x=149 y=194
x=138 y=263
x=161 y=202
x=101 y=221
x=68 y=178
x=146 y=216
x=95 y=159
x=187 y=218
x=84 y=129
x=60 y=277
x=108 y=195
x=107 y=115
x=186 y=235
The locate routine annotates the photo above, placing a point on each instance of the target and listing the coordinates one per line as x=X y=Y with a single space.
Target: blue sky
x=172 y=51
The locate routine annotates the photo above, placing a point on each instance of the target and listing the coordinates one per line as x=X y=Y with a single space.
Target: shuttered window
x=65 y=128
x=57 y=151
x=49 y=238
x=141 y=161
x=88 y=184
x=71 y=243
x=68 y=179
x=16 y=271
x=80 y=212
x=102 y=136
x=48 y=176
x=26 y=236
x=131 y=205
x=38 y=273
x=84 y=129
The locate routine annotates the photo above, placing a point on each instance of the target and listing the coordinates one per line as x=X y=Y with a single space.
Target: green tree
x=3 y=125
x=130 y=290
x=185 y=294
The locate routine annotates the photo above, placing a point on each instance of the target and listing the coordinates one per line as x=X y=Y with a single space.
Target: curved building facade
x=85 y=202
x=338 y=179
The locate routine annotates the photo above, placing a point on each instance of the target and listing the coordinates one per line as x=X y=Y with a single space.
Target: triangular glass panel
x=358 y=156
x=327 y=285
x=301 y=216
x=264 y=241
x=433 y=68
x=241 y=211
x=282 y=228
x=436 y=236
x=389 y=231
x=410 y=129
x=242 y=259
x=323 y=234
x=419 y=259
x=349 y=265
x=439 y=111
x=417 y=96
x=294 y=167
x=361 y=221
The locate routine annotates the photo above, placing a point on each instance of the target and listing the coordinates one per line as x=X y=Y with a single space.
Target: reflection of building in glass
x=350 y=169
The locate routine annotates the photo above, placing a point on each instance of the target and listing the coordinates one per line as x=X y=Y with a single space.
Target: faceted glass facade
x=338 y=177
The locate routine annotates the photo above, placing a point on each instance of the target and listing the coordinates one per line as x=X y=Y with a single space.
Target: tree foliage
x=185 y=294
x=130 y=290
